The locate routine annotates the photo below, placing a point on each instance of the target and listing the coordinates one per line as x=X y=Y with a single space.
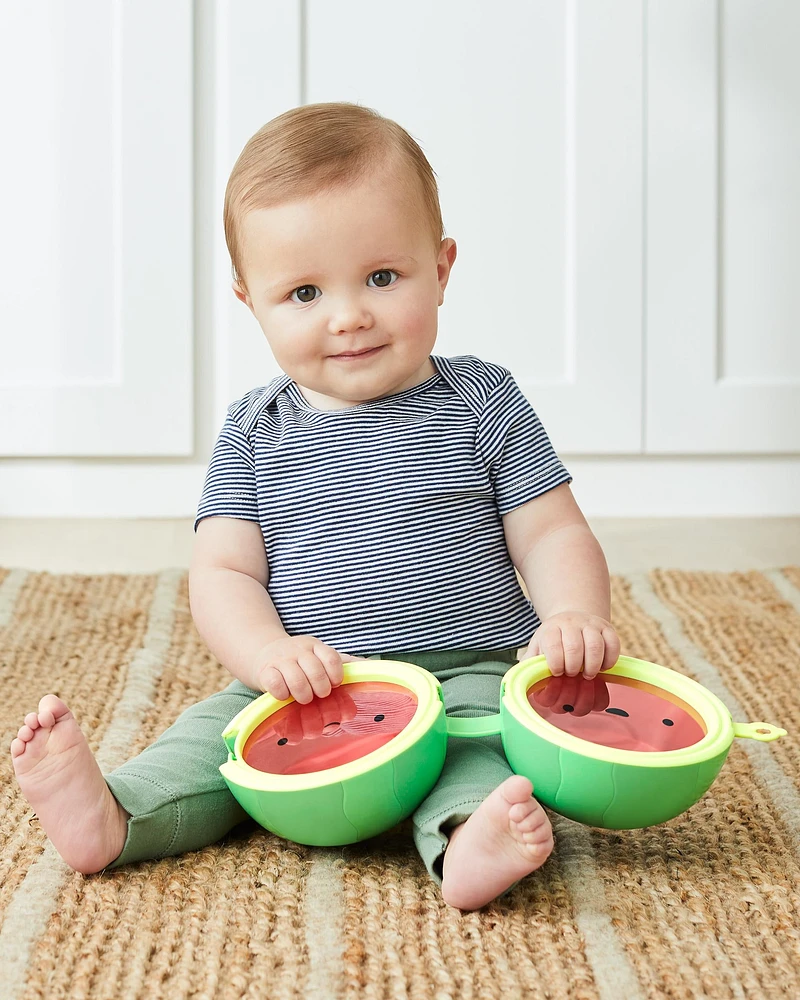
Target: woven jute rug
x=706 y=905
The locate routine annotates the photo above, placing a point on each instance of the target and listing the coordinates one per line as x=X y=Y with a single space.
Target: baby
x=372 y=502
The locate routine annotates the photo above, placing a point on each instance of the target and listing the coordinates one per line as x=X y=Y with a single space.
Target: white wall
x=629 y=166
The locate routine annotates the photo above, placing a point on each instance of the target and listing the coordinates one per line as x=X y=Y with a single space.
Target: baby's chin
x=336 y=383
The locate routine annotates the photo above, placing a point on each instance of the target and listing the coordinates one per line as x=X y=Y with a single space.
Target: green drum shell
x=333 y=810
x=603 y=787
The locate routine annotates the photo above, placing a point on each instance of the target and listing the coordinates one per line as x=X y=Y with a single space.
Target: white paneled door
x=723 y=227
x=96 y=294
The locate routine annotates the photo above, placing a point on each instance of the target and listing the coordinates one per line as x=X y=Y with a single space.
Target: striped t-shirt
x=382 y=522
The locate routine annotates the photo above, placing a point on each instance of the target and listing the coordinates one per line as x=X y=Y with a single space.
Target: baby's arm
x=566 y=575
x=230 y=605
x=235 y=616
x=558 y=556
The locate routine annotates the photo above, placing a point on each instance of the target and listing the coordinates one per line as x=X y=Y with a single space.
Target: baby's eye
x=383 y=279
x=302 y=291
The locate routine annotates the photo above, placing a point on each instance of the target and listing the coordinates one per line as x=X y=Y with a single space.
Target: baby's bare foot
x=507 y=837
x=61 y=779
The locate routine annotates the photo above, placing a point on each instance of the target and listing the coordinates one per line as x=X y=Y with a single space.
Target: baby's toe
x=517 y=789
x=520 y=811
x=32 y=720
x=536 y=816
x=51 y=708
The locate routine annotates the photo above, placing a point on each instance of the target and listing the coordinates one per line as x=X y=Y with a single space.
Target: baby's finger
x=612 y=644
x=331 y=661
x=594 y=650
x=295 y=679
x=272 y=681
x=316 y=676
x=572 y=641
x=550 y=644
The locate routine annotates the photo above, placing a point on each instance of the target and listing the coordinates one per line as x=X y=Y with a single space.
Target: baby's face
x=348 y=271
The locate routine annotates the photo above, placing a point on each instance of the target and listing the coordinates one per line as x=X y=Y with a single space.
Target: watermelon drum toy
x=636 y=746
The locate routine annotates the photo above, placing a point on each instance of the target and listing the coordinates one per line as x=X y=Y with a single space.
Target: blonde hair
x=318 y=147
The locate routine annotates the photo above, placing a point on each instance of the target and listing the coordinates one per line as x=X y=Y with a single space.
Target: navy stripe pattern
x=383 y=522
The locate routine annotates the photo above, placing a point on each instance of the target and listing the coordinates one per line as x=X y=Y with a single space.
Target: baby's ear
x=241 y=295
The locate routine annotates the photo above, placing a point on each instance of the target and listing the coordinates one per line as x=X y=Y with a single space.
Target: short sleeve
x=230 y=486
x=521 y=460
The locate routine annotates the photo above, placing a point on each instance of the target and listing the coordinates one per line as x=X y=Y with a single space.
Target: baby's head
x=334 y=229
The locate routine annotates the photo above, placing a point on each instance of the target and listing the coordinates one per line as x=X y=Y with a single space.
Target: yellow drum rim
x=715 y=716
x=420 y=682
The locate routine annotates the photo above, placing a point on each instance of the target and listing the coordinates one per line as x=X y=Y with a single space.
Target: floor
x=146 y=546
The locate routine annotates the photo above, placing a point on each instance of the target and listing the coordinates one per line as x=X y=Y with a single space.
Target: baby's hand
x=573 y=641
x=300 y=666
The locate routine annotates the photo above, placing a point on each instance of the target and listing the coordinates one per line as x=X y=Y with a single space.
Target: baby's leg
x=169 y=799
x=479 y=813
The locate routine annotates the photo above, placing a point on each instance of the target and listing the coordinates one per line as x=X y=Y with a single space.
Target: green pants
x=178 y=800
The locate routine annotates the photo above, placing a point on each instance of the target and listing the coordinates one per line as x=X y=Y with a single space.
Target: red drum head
x=351 y=722
x=617 y=711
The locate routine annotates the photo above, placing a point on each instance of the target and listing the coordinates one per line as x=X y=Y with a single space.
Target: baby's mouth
x=354 y=355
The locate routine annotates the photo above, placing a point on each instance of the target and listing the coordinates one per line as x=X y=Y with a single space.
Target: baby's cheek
x=417 y=319
x=291 y=346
